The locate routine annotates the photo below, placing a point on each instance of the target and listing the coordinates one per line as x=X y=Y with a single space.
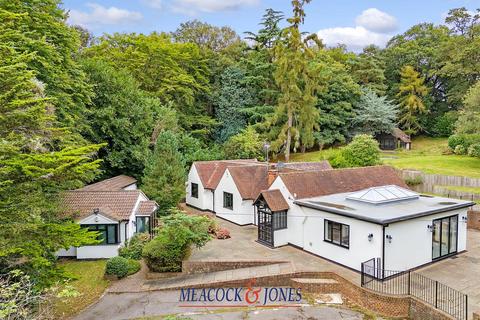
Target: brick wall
x=384 y=305
x=420 y=310
x=473 y=221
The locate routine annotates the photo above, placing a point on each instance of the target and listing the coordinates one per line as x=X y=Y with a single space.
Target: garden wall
x=354 y=295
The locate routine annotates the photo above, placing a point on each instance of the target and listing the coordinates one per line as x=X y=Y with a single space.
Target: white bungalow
x=228 y=187
x=113 y=207
x=350 y=216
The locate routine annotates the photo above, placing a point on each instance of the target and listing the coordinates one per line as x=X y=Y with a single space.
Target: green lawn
x=427 y=155
x=88 y=282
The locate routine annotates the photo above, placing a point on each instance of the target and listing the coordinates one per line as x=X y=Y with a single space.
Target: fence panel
x=436 y=294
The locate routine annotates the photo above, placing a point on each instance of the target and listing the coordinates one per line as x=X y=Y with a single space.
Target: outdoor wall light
x=370 y=237
x=430 y=228
x=389 y=238
x=465 y=219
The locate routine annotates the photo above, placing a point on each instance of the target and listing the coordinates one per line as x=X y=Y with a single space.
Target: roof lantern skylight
x=384 y=194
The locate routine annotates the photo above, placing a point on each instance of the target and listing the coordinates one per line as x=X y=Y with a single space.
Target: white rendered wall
x=360 y=249
x=280 y=237
x=98 y=252
x=295 y=216
x=411 y=244
x=205 y=196
x=243 y=210
x=71 y=252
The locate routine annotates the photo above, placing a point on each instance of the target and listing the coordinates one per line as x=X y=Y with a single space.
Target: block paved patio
x=243 y=246
x=461 y=272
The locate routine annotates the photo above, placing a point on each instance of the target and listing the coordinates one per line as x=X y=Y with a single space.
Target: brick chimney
x=272 y=174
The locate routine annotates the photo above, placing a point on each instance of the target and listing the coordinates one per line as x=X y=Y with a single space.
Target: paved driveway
x=243 y=246
x=461 y=272
x=156 y=305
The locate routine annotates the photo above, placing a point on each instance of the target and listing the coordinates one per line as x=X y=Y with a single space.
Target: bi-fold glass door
x=444 y=237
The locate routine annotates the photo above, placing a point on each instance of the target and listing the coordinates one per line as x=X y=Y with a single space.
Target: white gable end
x=97 y=219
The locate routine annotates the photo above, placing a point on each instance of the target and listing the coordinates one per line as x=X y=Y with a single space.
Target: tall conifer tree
x=297 y=78
x=411 y=93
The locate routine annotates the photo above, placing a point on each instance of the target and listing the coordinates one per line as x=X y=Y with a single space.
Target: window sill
x=336 y=244
x=228 y=208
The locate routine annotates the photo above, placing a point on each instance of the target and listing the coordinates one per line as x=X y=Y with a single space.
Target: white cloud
x=378 y=21
x=194 y=6
x=372 y=26
x=354 y=38
x=100 y=15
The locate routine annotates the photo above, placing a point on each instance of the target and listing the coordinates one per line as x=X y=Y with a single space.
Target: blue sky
x=353 y=22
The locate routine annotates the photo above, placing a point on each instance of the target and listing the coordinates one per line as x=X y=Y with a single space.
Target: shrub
x=178 y=233
x=212 y=227
x=117 y=266
x=455 y=140
x=222 y=233
x=133 y=266
x=133 y=248
x=245 y=145
x=414 y=181
x=474 y=150
x=466 y=140
x=460 y=149
x=19 y=299
x=363 y=151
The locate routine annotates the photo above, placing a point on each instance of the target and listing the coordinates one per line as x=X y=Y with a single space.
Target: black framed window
x=108 y=232
x=444 y=237
x=280 y=220
x=337 y=233
x=142 y=224
x=228 y=200
x=194 y=190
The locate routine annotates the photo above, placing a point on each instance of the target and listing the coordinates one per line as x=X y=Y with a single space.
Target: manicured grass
x=427 y=155
x=88 y=282
x=443 y=164
x=313 y=156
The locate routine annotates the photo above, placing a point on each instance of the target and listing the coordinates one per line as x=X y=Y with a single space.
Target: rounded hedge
x=460 y=150
x=117 y=266
x=455 y=140
x=474 y=150
x=133 y=266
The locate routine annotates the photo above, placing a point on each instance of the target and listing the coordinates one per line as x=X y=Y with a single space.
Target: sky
x=355 y=23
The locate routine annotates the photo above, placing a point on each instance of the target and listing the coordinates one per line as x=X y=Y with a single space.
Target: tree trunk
x=289 y=137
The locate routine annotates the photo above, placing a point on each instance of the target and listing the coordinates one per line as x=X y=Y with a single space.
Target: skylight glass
x=384 y=194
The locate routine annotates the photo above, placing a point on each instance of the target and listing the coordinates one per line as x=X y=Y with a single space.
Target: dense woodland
x=75 y=108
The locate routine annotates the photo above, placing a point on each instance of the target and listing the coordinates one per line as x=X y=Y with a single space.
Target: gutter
x=384 y=222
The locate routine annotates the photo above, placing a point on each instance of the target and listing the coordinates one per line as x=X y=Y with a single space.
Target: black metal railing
x=435 y=293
